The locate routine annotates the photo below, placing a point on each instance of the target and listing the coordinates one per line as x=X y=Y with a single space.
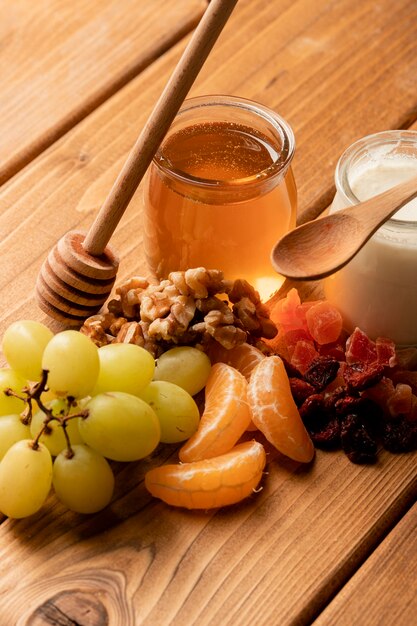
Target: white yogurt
x=377 y=290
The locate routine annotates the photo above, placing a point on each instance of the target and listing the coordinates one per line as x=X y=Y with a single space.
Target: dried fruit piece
x=385 y=352
x=380 y=393
x=360 y=349
x=358 y=443
x=359 y=376
x=336 y=350
x=324 y=322
x=303 y=355
x=321 y=371
x=399 y=403
x=300 y=390
x=323 y=426
x=286 y=313
x=399 y=435
x=274 y=411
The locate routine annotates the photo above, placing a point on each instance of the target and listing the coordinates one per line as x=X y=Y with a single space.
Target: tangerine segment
x=274 y=411
x=210 y=483
x=243 y=357
x=225 y=418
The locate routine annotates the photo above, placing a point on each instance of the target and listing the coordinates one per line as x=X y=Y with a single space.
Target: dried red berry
x=367 y=411
x=300 y=390
x=359 y=376
x=399 y=435
x=322 y=371
x=358 y=442
x=323 y=427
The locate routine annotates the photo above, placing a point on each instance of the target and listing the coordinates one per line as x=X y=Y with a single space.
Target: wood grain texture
x=272 y=559
x=60 y=59
x=280 y=556
x=384 y=589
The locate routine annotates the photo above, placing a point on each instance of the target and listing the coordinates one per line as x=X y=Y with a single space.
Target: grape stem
x=33 y=393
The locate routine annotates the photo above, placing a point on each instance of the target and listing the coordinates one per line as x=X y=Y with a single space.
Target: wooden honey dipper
x=77 y=277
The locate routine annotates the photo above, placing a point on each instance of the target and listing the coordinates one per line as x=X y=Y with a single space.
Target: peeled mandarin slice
x=210 y=483
x=243 y=357
x=225 y=418
x=274 y=411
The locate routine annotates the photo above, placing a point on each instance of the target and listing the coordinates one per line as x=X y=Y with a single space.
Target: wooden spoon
x=78 y=275
x=323 y=246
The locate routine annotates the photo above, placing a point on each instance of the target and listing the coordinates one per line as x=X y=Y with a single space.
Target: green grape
x=73 y=364
x=176 y=409
x=23 y=345
x=54 y=438
x=120 y=426
x=124 y=367
x=9 y=404
x=25 y=479
x=84 y=482
x=184 y=366
x=11 y=431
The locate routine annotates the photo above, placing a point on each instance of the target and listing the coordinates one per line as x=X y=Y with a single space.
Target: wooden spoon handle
x=158 y=124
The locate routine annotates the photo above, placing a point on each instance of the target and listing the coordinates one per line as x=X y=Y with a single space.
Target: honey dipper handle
x=155 y=129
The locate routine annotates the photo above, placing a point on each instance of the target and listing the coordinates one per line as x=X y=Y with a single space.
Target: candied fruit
x=360 y=349
x=385 y=352
x=303 y=355
x=324 y=322
x=399 y=403
x=285 y=312
x=350 y=390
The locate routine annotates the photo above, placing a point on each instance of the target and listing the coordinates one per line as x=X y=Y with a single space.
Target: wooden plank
x=61 y=59
x=273 y=559
x=279 y=557
x=384 y=590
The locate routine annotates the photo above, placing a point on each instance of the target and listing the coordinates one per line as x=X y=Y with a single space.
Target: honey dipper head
x=73 y=284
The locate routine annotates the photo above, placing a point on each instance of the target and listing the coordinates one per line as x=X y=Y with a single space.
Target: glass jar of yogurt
x=377 y=289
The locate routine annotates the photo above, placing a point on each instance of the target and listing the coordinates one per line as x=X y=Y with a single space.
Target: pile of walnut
x=190 y=307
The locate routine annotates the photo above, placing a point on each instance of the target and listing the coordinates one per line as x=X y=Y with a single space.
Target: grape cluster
x=67 y=408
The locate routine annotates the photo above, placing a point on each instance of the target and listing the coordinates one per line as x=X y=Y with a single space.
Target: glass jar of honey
x=377 y=289
x=220 y=191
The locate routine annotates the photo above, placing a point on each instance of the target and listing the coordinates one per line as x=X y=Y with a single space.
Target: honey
x=219 y=194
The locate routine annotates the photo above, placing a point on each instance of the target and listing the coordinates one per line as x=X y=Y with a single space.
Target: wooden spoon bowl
x=321 y=247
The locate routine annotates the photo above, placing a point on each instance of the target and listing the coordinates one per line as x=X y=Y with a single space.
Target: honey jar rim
x=275 y=170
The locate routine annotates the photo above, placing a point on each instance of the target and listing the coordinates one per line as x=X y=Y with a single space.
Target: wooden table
x=331 y=544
